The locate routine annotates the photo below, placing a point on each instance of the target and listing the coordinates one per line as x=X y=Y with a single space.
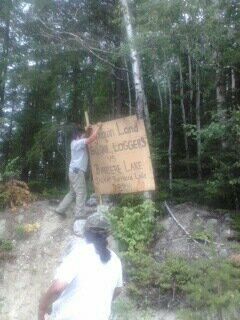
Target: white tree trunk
x=190 y=82
x=220 y=98
x=141 y=104
x=170 y=128
x=129 y=88
x=198 y=121
x=156 y=76
x=219 y=93
x=184 y=117
x=233 y=84
x=5 y=55
x=190 y=76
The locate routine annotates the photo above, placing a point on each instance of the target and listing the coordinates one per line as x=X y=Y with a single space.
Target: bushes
x=4 y=196
x=213 y=290
x=174 y=274
x=133 y=226
x=37 y=186
x=206 y=289
x=12 y=169
x=235 y=224
x=14 y=193
x=5 y=245
x=188 y=190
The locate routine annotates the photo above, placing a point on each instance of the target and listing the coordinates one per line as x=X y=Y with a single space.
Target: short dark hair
x=77 y=131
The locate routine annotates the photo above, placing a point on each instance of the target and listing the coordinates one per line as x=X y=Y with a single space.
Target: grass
x=5 y=245
x=125 y=309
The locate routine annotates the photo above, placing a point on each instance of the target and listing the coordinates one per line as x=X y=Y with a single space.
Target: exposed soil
x=25 y=277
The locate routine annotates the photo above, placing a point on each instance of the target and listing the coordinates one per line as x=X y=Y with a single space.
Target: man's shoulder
x=115 y=258
x=77 y=249
x=78 y=142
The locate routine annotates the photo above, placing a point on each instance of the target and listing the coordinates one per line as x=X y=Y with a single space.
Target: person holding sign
x=77 y=169
x=88 y=279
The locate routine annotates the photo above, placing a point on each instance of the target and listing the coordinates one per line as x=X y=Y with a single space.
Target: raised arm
x=94 y=134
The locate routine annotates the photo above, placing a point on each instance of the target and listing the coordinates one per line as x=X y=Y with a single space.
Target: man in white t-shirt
x=88 y=279
x=77 y=169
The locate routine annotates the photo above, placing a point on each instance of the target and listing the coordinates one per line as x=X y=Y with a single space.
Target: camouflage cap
x=97 y=222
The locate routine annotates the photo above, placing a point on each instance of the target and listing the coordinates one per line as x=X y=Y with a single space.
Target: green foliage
x=191 y=130
x=37 y=186
x=54 y=192
x=47 y=190
x=4 y=197
x=208 y=287
x=235 y=224
x=125 y=309
x=202 y=236
x=142 y=269
x=5 y=245
x=188 y=190
x=213 y=289
x=143 y=277
x=224 y=184
x=23 y=231
x=12 y=169
x=133 y=226
x=130 y=200
x=175 y=272
x=44 y=92
x=20 y=232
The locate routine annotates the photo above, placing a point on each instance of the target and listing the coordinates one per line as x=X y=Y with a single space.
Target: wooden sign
x=120 y=158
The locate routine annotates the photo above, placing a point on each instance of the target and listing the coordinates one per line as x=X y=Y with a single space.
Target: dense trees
x=178 y=61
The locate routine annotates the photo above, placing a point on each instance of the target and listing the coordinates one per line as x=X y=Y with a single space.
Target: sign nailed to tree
x=120 y=158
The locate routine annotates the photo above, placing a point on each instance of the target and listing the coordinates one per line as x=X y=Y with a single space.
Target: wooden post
x=86 y=118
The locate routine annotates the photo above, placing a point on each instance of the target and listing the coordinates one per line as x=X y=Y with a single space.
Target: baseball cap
x=97 y=222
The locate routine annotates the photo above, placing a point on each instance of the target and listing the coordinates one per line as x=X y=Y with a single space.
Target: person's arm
x=116 y=293
x=49 y=297
x=119 y=284
x=94 y=134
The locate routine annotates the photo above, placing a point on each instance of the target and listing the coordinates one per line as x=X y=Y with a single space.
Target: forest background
x=174 y=63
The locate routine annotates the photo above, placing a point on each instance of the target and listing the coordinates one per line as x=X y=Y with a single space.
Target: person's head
x=78 y=133
x=96 y=231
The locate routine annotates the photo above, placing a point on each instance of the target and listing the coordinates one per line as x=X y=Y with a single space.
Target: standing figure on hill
x=77 y=170
x=88 y=280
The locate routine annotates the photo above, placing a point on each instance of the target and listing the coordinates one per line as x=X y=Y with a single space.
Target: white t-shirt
x=79 y=155
x=91 y=284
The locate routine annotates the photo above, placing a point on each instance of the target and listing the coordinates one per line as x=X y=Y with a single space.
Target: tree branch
x=184 y=230
x=77 y=38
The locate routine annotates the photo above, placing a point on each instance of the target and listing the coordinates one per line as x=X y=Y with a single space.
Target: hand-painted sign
x=120 y=158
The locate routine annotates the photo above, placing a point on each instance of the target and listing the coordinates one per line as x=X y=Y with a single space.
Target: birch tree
x=183 y=116
x=156 y=76
x=170 y=128
x=6 y=7
x=198 y=122
x=141 y=103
